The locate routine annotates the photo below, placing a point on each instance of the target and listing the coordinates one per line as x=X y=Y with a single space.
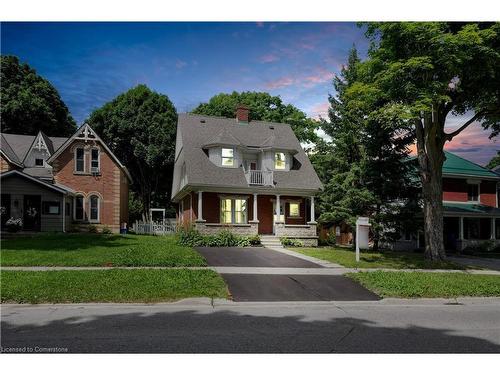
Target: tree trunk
x=430 y=144
x=433 y=216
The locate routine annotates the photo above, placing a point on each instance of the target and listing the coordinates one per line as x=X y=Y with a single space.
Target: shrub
x=92 y=228
x=293 y=242
x=106 y=230
x=191 y=237
x=254 y=240
x=14 y=225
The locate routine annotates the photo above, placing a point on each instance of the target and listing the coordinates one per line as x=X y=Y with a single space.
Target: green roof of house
x=455 y=165
x=470 y=209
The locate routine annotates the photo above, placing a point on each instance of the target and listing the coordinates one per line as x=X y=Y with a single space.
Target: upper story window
x=279 y=160
x=473 y=192
x=39 y=162
x=79 y=159
x=94 y=160
x=227 y=157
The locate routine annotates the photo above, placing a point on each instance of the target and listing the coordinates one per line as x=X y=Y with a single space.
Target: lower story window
x=233 y=211
x=79 y=215
x=94 y=208
x=51 y=208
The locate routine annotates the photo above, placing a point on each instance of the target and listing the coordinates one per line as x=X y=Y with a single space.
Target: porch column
x=255 y=216
x=492 y=234
x=278 y=209
x=461 y=235
x=200 y=206
x=312 y=212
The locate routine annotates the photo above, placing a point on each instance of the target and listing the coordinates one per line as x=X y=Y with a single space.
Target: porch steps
x=271 y=242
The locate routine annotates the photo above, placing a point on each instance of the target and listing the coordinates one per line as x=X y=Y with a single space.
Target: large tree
x=494 y=162
x=140 y=128
x=263 y=106
x=426 y=71
x=30 y=103
x=365 y=164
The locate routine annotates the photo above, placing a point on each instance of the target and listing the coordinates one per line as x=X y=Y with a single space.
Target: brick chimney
x=242 y=113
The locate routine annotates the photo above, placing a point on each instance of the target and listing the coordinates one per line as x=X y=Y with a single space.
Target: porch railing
x=156 y=228
x=262 y=178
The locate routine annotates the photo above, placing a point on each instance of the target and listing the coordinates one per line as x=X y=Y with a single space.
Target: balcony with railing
x=259 y=178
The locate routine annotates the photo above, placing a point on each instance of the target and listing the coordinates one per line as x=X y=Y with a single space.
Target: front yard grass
x=114 y=285
x=426 y=284
x=97 y=250
x=369 y=259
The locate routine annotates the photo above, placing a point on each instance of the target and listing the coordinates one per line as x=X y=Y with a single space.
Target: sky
x=91 y=63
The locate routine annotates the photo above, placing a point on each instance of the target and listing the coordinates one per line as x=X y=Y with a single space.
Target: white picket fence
x=156 y=228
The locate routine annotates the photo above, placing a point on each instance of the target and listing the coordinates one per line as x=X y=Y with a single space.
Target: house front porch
x=250 y=214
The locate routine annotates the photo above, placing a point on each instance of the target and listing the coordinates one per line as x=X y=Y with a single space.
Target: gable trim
x=85 y=128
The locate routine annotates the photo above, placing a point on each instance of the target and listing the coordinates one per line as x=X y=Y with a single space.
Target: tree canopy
x=263 y=106
x=425 y=71
x=364 y=164
x=140 y=128
x=494 y=162
x=30 y=103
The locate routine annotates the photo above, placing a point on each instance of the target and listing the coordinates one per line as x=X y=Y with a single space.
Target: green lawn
x=426 y=284
x=389 y=259
x=114 y=285
x=97 y=250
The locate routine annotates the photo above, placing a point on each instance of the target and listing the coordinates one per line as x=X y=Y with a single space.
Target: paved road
x=489 y=263
x=318 y=327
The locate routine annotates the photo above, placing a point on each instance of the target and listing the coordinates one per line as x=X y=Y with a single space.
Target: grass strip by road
x=431 y=285
x=369 y=259
x=116 y=285
x=97 y=250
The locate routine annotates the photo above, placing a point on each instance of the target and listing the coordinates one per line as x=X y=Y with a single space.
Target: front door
x=32 y=212
x=282 y=214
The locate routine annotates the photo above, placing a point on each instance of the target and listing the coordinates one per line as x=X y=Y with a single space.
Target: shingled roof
x=198 y=132
x=456 y=166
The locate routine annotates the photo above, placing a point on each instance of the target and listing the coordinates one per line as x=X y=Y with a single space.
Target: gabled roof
x=195 y=130
x=58 y=188
x=223 y=138
x=86 y=133
x=19 y=144
x=8 y=152
x=456 y=166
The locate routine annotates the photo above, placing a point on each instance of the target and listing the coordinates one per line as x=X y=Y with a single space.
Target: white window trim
x=83 y=207
x=98 y=208
x=98 y=159
x=222 y=157
x=233 y=209
x=84 y=162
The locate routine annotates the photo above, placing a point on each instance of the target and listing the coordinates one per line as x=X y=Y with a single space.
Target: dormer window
x=39 y=162
x=279 y=160
x=79 y=159
x=227 y=157
x=94 y=162
x=473 y=192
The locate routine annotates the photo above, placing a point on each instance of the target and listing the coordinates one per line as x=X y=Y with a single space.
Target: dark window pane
x=39 y=162
x=79 y=208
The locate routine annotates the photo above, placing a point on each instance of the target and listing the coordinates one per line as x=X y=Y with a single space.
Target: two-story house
x=470 y=206
x=57 y=184
x=251 y=177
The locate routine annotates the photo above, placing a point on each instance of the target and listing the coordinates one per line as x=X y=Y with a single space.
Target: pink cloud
x=268 y=58
x=280 y=82
x=319 y=110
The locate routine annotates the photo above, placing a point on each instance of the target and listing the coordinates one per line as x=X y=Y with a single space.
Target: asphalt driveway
x=265 y=286
x=251 y=257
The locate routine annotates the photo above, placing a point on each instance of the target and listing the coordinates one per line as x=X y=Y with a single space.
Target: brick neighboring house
x=470 y=207
x=58 y=184
x=251 y=177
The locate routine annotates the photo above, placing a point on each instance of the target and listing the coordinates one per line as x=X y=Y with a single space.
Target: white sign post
x=362 y=230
